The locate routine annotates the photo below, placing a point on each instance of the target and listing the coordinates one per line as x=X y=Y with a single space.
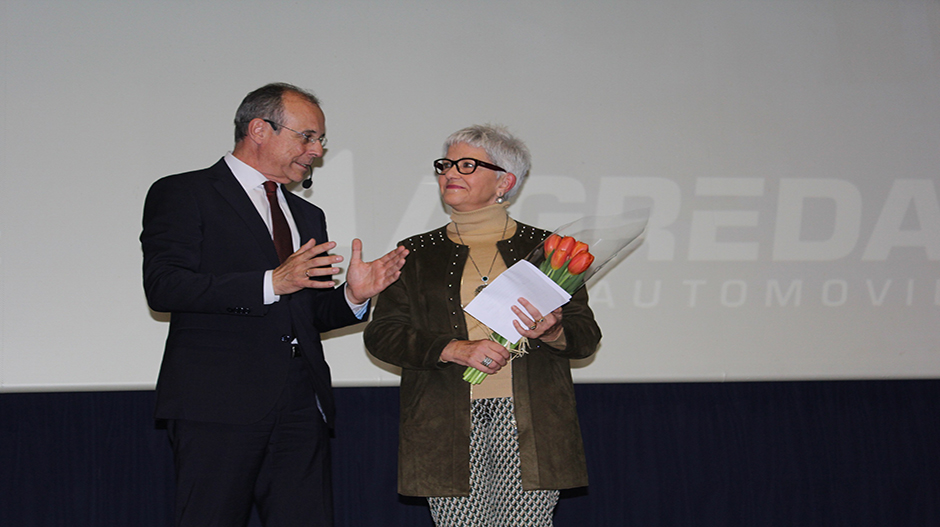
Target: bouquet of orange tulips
x=567 y=258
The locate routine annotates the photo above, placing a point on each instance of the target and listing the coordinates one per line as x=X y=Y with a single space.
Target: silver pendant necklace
x=484 y=277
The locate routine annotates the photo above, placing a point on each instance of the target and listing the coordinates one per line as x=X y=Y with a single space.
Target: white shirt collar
x=247 y=176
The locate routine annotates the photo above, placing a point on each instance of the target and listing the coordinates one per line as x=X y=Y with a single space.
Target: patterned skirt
x=496 y=496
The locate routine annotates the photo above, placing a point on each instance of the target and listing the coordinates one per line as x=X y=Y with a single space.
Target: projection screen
x=789 y=151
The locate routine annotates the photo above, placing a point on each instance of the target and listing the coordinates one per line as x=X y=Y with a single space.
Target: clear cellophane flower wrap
x=573 y=255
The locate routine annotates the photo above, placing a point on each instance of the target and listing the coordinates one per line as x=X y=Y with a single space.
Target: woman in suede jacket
x=496 y=453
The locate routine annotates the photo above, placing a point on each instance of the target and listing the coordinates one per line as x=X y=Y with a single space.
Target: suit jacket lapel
x=229 y=188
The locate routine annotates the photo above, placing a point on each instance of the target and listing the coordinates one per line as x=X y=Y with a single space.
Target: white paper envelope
x=493 y=305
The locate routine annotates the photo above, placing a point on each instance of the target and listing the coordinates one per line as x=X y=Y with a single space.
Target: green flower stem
x=473 y=375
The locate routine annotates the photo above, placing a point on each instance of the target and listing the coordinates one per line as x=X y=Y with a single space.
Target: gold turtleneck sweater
x=480 y=230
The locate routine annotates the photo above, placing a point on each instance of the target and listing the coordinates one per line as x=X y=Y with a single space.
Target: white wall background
x=791 y=151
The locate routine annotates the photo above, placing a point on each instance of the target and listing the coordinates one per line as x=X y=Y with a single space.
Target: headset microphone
x=307 y=183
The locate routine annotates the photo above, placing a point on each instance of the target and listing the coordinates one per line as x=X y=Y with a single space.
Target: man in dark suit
x=243 y=267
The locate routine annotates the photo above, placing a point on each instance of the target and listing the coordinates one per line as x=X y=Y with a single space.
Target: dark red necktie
x=282 y=237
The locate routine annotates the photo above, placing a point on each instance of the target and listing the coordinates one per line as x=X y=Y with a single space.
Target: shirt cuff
x=359 y=310
x=269 y=296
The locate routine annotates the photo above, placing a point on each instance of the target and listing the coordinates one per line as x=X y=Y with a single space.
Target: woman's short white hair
x=503 y=149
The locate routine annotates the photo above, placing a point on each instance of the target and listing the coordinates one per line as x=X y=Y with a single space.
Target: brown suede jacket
x=416 y=317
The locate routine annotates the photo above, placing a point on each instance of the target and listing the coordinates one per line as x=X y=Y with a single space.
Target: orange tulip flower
x=551 y=243
x=579 y=247
x=566 y=244
x=580 y=262
x=559 y=257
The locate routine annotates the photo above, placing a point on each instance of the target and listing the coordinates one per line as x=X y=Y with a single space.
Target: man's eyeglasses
x=308 y=138
x=466 y=165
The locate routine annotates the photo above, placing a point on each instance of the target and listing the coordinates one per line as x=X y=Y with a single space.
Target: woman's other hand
x=532 y=325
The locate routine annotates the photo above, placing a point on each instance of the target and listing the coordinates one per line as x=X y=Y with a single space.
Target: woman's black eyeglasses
x=465 y=165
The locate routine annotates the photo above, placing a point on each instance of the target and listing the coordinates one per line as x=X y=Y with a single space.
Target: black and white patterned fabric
x=496 y=496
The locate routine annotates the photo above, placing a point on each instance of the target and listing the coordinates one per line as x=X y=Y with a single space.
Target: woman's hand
x=484 y=355
x=533 y=325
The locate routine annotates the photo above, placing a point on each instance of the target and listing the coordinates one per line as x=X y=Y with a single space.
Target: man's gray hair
x=267 y=102
x=503 y=149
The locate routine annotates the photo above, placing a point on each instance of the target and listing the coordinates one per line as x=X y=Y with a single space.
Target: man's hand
x=367 y=279
x=298 y=271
